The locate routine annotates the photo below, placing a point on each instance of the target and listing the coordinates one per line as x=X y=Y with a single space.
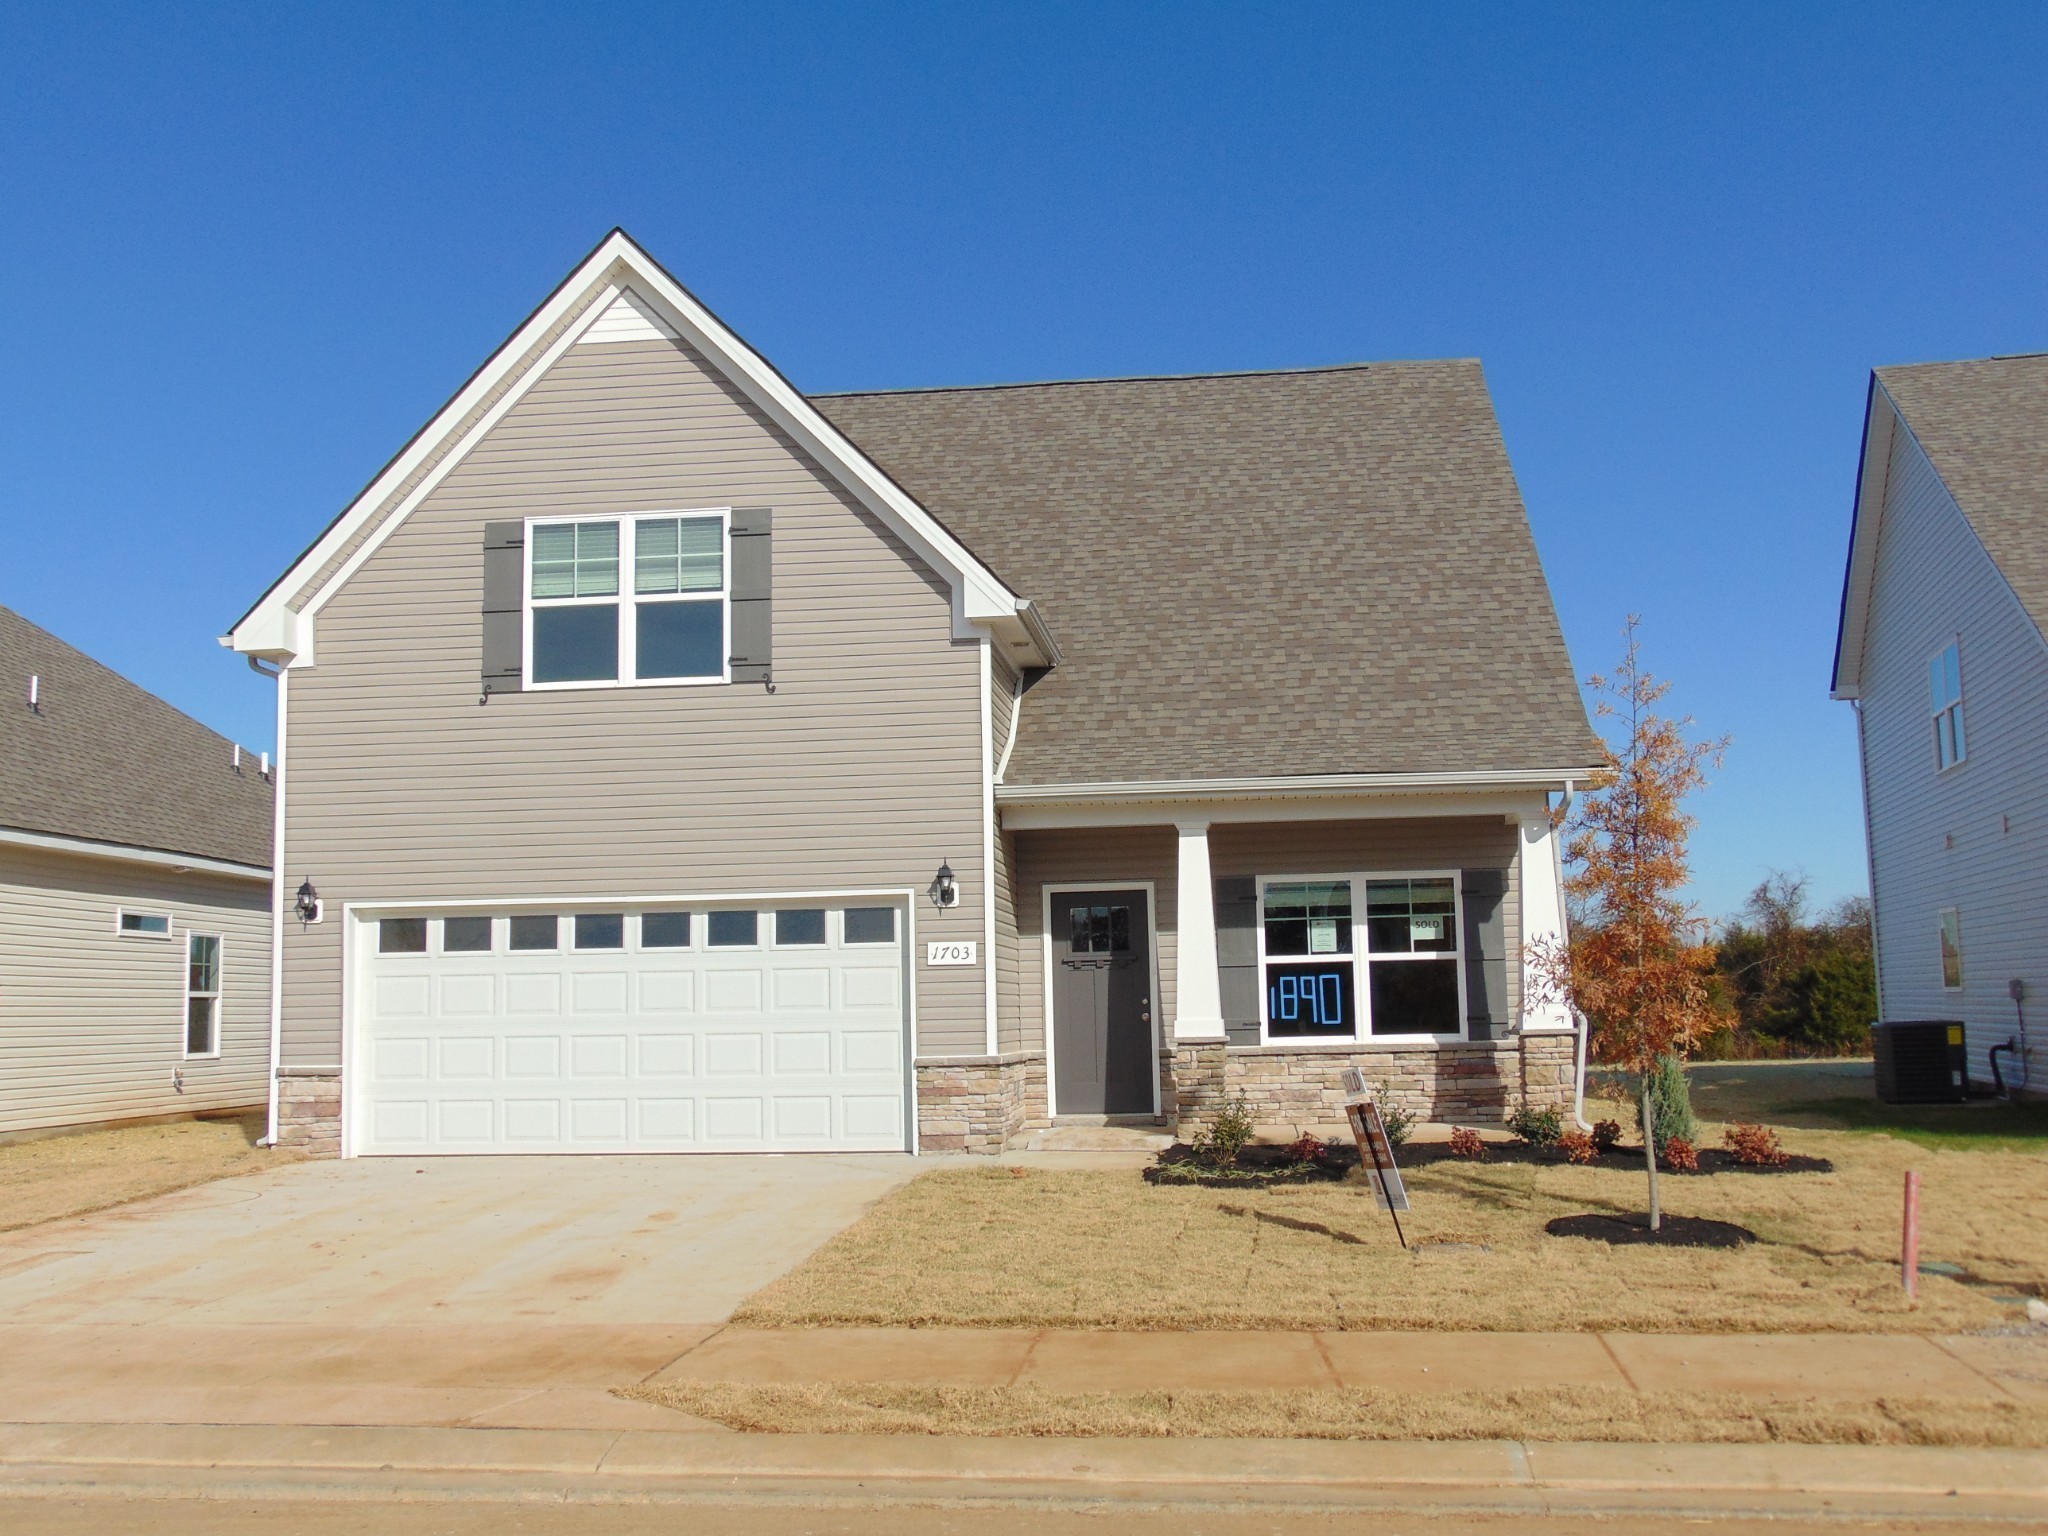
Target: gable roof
x=1253 y=575
x=1983 y=425
x=104 y=761
x=618 y=288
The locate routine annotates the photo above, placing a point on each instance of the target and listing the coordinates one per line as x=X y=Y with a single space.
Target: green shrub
x=1399 y=1123
x=1538 y=1127
x=1220 y=1144
x=1671 y=1100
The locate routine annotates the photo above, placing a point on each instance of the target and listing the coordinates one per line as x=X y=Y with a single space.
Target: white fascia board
x=1299 y=785
x=1507 y=805
x=979 y=596
x=1880 y=423
x=126 y=854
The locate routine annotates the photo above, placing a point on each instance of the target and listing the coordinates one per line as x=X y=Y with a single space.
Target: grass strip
x=1544 y=1414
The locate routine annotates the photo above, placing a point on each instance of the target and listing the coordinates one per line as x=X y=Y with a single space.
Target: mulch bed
x=1712 y=1159
x=1260 y=1167
x=1256 y=1168
x=1675 y=1231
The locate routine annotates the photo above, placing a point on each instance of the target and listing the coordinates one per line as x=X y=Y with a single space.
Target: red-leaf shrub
x=1466 y=1143
x=1754 y=1146
x=1606 y=1135
x=1679 y=1156
x=1578 y=1146
x=1306 y=1149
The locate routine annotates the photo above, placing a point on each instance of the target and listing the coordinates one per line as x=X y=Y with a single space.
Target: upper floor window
x=1945 y=698
x=628 y=600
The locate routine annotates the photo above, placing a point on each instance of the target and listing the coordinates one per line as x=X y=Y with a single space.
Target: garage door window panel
x=402 y=936
x=600 y=930
x=536 y=933
x=870 y=925
x=664 y=930
x=801 y=926
x=466 y=936
x=734 y=930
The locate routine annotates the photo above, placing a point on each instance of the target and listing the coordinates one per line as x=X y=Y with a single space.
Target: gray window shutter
x=1486 y=961
x=504 y=576
x=753 y=569
x=1237 y=956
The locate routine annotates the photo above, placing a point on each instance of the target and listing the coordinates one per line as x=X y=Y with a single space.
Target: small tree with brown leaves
x=1637 y=963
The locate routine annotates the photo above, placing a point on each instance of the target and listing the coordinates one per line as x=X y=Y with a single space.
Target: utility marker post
x=1909 y=1239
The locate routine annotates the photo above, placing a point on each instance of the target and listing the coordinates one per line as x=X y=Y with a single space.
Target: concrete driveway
x=502 y=1291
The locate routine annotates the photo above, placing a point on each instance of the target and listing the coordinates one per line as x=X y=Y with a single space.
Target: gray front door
x=1102 y=1002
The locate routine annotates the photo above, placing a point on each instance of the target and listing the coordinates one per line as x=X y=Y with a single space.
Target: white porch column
x=1542 y=914
x=1198 y=995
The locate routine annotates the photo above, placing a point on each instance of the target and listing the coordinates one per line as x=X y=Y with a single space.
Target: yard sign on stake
x=1370 y=1132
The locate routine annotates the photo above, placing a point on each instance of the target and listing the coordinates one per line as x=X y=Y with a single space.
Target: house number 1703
x=949 y=954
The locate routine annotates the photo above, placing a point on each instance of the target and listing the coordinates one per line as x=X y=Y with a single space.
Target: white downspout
x=283 y=676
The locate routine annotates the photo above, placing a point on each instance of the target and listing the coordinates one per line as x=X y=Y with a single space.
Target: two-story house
x=1941 y=652
x=675 y=761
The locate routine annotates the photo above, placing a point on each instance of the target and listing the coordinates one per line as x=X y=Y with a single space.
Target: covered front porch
x=1157 y=959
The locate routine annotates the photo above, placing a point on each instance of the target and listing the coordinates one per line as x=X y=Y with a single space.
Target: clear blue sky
x=246 y=250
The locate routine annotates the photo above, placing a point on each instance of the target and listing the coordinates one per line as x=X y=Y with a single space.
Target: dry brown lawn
x=72 y=1175
x=1015 y=1247
x=1559 y=1413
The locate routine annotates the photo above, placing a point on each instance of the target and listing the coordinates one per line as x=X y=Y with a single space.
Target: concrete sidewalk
x=1771 y=1366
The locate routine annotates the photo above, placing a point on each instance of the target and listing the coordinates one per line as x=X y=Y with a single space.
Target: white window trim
x=1361 y=958
x=1951 y=707
x=170 y=925
x=218 y=994
x=627 y=601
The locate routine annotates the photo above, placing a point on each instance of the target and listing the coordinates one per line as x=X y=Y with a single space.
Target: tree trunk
x=1650 y=1154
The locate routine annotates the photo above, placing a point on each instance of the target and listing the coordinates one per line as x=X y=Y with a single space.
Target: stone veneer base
x=1299 y=1090
x=977 y=1103
x=309 y=1112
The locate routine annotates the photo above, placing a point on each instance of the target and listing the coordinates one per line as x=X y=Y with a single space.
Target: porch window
x=1399 y=973
x=1412 y=955
x=1311 y=971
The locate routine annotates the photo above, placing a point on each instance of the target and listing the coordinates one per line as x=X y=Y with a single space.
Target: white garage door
x=706 y=1030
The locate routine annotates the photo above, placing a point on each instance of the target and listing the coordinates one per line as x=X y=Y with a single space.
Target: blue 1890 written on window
x=1311 y=974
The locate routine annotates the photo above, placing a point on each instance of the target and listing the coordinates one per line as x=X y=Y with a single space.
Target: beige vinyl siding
x=92 y=1024
x=1094 y=854
x=862 y=770
x=1974 y=838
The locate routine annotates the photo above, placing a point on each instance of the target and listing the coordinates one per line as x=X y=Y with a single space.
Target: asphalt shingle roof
x=1327 y=571
x=105 y=760
x=1984 y=425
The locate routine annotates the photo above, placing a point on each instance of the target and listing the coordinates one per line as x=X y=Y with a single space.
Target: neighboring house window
x=1951 y=949
x=143 y=925
x=667 y=623
x=202 y=994
x=1326 y=976
x=1945 y=696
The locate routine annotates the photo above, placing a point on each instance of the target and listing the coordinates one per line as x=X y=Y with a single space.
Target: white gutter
x=1291 y=784
x=126 y=854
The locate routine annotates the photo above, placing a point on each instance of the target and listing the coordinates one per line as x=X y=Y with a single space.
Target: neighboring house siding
x=1933 y=583
x=863 y=769
x=92 y=1024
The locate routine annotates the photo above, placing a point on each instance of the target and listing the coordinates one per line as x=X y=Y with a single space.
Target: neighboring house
x=677 y=762
x=1941 y=651
x=135 y=927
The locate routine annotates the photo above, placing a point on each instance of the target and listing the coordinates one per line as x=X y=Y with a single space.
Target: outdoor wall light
x=308 y=903
x=944 y=890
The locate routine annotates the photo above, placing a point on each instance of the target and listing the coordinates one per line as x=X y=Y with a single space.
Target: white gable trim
x=1884 y=424
x=273 y=630
x=1873 y=474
